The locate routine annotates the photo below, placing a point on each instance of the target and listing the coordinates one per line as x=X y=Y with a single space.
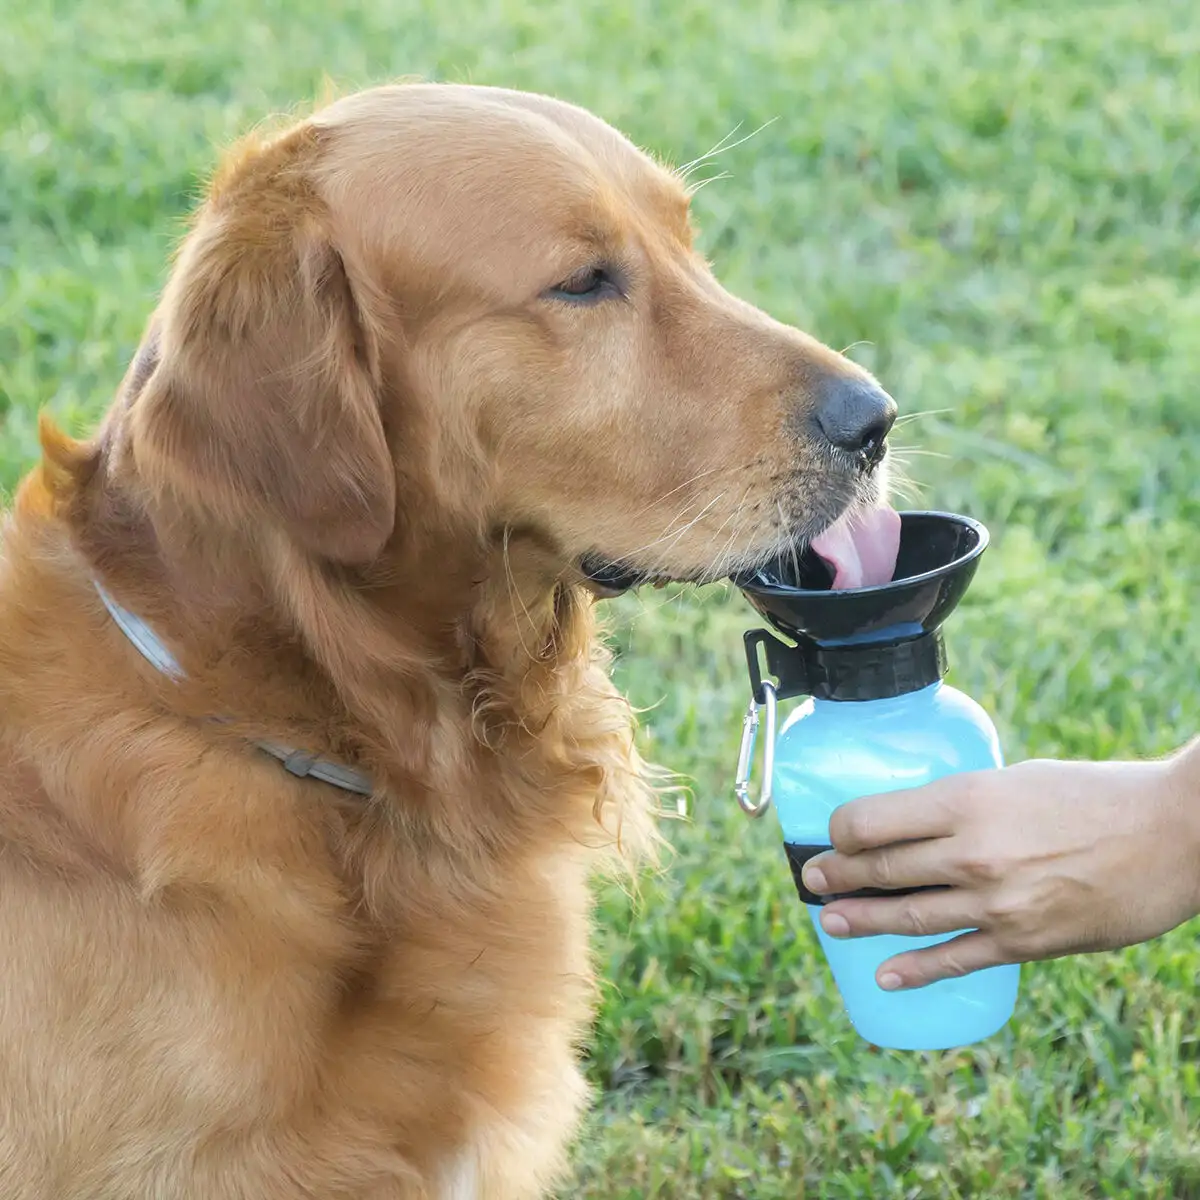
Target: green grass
x=1001 y=203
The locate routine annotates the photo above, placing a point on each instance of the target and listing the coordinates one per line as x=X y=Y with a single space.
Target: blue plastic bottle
x=878 y=718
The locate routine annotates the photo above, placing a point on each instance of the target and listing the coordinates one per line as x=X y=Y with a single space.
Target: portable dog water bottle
x=877 y=718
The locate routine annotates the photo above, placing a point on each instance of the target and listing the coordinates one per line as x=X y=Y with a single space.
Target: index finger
x=906 y=815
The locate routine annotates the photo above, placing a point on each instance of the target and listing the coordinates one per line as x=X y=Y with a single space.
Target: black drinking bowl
x=939 y=553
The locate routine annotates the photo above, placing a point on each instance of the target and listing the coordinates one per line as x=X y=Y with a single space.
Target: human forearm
x=1186 y=763
x=1184 y=780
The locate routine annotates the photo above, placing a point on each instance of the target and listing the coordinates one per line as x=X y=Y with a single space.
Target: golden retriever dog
x=309 y=748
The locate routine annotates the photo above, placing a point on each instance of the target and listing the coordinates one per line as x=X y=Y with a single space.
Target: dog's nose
x=856 y=416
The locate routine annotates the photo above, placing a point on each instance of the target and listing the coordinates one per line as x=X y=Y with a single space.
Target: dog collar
x=298 y=762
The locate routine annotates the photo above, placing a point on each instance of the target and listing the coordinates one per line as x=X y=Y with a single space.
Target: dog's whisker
x=678 y=488
x=906 y=418
x=735 y=521
x=679 y=533
x=723 y=147
x=660 y=565
x=693 y=189
x=683 y=170
x=648 y=605
x=723 y=468
x=671 y=537
x=907 y=491
x=791 y=548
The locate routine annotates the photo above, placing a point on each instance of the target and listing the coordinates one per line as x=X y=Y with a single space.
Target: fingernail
x=890 y=982
x=814 y=879
x=835 y=924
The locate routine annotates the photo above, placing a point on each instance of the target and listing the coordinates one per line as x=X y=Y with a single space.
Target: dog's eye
x=586 y=286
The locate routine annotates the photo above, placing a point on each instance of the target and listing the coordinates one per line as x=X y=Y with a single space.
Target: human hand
x=1039 y=860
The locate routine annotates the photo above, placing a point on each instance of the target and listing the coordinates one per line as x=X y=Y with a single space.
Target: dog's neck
x=299 y=762
x=483 y=682
x=361 y=666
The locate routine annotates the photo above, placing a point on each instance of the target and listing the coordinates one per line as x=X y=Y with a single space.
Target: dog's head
x=434 y=308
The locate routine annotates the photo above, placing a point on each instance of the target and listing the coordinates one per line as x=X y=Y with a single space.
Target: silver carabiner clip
x=741 y=787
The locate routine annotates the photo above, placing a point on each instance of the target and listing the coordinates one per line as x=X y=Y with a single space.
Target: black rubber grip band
x=797 y=856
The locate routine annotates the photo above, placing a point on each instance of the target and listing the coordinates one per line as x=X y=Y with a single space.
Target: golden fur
x=348 y=479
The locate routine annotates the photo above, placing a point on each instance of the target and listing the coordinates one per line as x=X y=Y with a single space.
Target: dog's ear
x=264 y=403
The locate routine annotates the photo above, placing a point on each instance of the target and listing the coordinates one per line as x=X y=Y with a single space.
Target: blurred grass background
x=998 y=205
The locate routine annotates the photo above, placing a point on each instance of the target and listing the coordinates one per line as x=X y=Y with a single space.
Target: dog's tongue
x=860 y=548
